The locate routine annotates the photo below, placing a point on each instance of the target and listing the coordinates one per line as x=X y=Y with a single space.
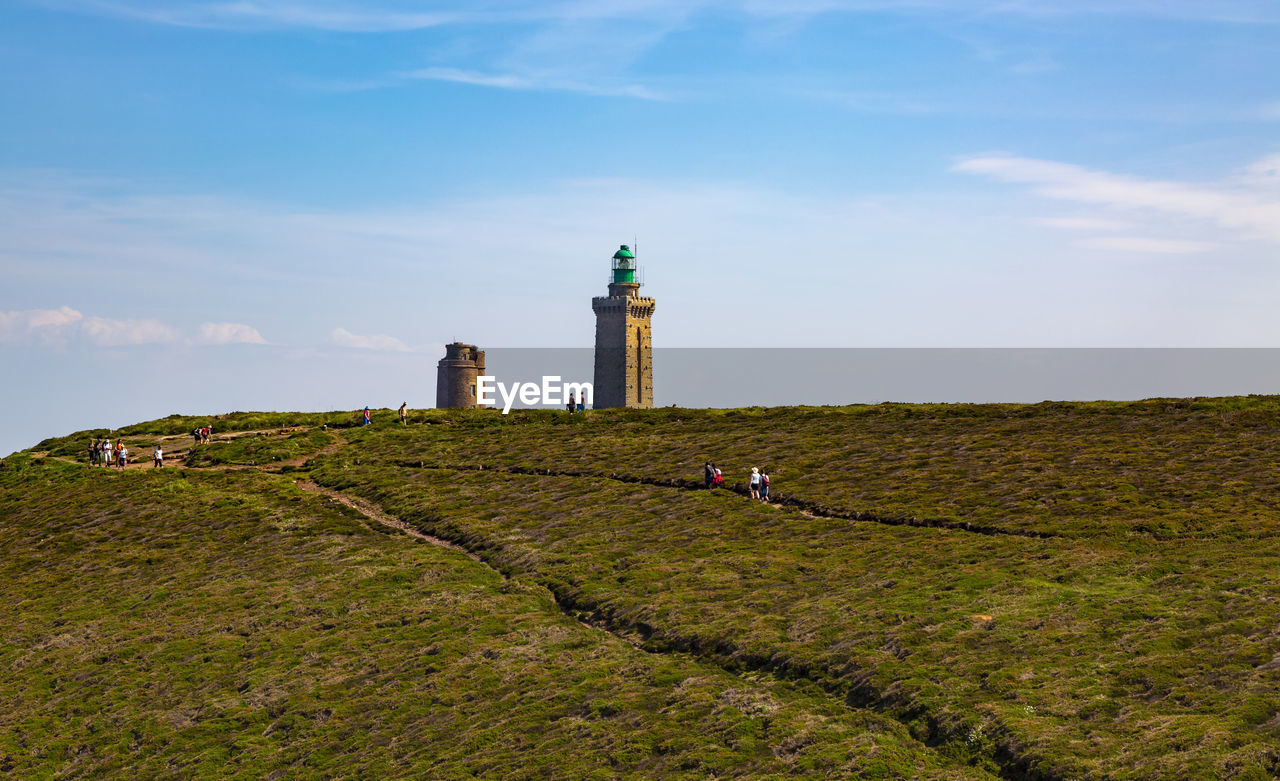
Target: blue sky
x=270 y=204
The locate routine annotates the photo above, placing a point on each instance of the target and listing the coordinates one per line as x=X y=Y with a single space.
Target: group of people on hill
x=102 y=452
x=580 y=405
x=202 y=434
x=757 y=481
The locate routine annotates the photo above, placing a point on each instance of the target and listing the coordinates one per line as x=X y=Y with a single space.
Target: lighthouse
x=624 y=345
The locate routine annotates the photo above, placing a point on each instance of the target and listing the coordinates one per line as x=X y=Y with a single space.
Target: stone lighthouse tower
x=624 y=347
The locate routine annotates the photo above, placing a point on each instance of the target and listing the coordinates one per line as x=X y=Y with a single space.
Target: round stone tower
x=624 y=345
x=456 y=376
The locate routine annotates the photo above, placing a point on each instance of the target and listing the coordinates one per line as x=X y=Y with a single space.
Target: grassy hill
x=946 y=591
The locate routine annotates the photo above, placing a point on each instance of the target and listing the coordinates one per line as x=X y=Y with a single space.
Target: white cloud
x=230 y=333
x=59 y=326
x=385 y=16
x=1082 y=223
x=335 y=15
x=105 y=332
x=344 y=338
x=40 y=324
x=1242 y=210
x=1146 y=245
x=531 y=82
x=439 y=268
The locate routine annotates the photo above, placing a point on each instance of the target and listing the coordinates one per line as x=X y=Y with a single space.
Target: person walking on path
x=718 y=482
x=754 y=483
x=404 y=414
x=582 y=402
x=158 y=455
x=104 y=454
x=93 y=453
x=708 y=475
x=764 y=485
x=368 y=419
x=568 y=405
x=122 y=454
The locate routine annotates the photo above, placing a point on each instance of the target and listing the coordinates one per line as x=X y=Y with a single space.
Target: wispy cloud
x=381 y=342
x=106 y=332
x=45 y=325
x=229 y=333
x=1082 y=223
x=253 y=15
x=884 y=103
x=1147 y=245
x=531 y=82
x=1247 y=211
x=58 y=327
x=385 y=16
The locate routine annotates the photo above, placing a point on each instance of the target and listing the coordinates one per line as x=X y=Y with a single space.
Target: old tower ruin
x=456 y=376
x=624 y=347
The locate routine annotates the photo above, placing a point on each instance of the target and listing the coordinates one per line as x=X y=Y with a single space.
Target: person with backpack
x=93 y=453
x=368 y=418
x=764 y=485
x=754 y=483
x=718 y=482
x=104 y=454
x=122 y=454
x=404 y=414
x=708 y=475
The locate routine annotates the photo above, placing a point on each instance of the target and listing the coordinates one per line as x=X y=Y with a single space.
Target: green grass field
x=1021 y=591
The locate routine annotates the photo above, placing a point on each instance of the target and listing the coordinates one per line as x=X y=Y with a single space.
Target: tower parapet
x=624 y=344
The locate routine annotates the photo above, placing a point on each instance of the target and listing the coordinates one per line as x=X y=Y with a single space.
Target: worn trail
x=806 y=507
x=373 y=513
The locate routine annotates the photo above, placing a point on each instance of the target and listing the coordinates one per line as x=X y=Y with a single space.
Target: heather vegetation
x=228 y=624
x=1031 y=591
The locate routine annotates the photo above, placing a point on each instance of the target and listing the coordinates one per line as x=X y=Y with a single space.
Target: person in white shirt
x=158 y=456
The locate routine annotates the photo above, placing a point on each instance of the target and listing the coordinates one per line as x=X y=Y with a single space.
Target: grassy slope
x=1140 y=644
x=1168 y=467
x=189 y=624
x=1138 y=641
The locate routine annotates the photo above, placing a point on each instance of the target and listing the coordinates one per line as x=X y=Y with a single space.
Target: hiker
x=404 y=414
x=93 y=453
x=367 y=417
x=122 y=454
x=104 y=455
x=582 y=402
x=718 y=482
x=568 y=405
x=208 y=430
x=708 y=475
x=195 y=436
x=158 y=455
x=764 y=485
x=754 y=484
